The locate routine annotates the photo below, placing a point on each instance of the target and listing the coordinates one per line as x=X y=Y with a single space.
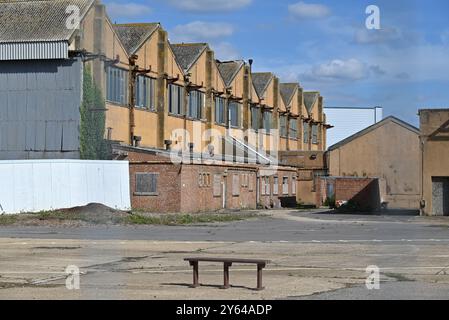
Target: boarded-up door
x=440 y=196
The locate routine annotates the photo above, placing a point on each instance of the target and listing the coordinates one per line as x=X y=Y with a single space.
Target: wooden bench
x=227 y=262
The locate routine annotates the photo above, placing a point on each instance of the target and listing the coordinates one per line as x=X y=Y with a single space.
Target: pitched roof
x=288 y=91
x=38 y=20
x=186 y=54
x=309 y=99
x=374 y=127
x=133 y=35
x=229 y=69
x=261 y=80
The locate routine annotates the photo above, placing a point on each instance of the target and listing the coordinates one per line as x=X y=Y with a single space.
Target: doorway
x=440 y=196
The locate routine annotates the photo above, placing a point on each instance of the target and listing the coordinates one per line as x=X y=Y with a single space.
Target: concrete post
x=98 y=46
x=161 y=88
x=209 y=109
x=246 y=107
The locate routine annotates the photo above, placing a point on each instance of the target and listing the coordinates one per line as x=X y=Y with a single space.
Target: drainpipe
x=131 y=95
x=422 y=204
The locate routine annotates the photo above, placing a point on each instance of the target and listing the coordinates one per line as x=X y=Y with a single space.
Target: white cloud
x=308 y=10
x=127 y=10
x=225 y=51
x=351 y=69
x=391 y=36
x=365 y=36
x=209 y=5
x=199 y=31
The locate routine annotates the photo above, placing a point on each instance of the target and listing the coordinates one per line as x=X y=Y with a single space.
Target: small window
x=306 y=133
x=117 y=85
x=196 y=103
x=234 y=114
x=293 y=185
x=276 y=185
x=267 y=186
x=204 y=179
x=293 y=129
x=245 y=179
x=220 y=110
x=175 y=99
x=235 y=185
x=255 y=116
x=217 y=185
x=285 y=185
x=283 y=125
x=267 y=116
x=145 y=97
x=146 y=184
x=315 y=134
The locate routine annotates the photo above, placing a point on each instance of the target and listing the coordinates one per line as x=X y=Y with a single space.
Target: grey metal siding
x=34 y=50
x=39 y=109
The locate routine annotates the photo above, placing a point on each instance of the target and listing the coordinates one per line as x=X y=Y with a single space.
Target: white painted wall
x=36 y=185
x=348 y=121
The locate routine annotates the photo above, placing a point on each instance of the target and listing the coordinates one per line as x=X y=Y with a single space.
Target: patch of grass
x=7 y=219
x=185 y=219
x=56 y=215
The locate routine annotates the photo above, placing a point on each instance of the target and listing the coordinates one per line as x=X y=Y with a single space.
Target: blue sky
x=322 y=44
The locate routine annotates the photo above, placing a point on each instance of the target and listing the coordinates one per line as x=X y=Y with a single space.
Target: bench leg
x=259 y=277
x=226 y=275
x=196 y=283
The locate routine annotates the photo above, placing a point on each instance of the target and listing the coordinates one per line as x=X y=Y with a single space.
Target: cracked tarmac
x=314 y=256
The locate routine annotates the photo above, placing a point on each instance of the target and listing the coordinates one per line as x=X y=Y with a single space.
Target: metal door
x=440 y=196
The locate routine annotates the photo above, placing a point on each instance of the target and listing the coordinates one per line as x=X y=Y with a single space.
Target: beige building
x=389 y=151
x=434 y=126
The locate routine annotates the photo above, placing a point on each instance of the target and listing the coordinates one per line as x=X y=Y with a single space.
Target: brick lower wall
x=363 y=191
x=168 y=198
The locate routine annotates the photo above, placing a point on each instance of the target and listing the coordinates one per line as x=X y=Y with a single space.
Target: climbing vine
x=92 y=127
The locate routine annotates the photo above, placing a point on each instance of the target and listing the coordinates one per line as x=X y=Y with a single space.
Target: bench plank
x=228 y=260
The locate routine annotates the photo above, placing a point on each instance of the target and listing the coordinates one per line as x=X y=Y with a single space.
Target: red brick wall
x=195 y=198
x=364 y=191
x=276 y=200
x=168 y=188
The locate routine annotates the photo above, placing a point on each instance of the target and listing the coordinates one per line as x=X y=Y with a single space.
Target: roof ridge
x=187 y=59
x=261 y=90
x=228 y=78
x=134 y=35
x=131 y=24
x=190 y=44
x=372 y=127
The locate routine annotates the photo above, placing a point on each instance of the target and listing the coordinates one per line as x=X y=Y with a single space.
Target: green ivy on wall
x=92 y=127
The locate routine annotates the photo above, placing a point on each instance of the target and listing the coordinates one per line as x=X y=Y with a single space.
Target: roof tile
x=38 y=20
